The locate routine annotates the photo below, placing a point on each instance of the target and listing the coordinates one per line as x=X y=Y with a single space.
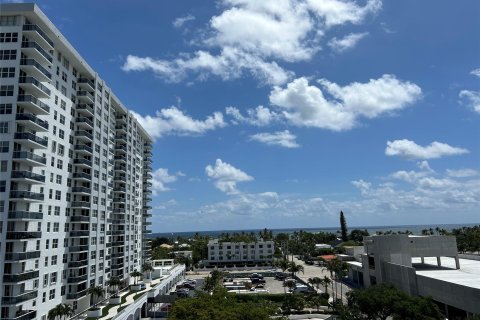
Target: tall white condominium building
x=75 y=170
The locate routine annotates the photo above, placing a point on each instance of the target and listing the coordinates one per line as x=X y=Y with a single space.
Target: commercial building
x=75 y=170
x=229 y=253
x=426 y=266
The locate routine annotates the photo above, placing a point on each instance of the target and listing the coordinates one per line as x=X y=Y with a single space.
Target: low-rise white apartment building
x=221 y=253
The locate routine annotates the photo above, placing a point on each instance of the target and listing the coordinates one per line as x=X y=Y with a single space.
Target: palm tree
x=135 y=274
x=326 y=281
x=67 y=310
x=282 y=264
x=294 y=268
x=147 y=267
x=209 y=284
x=55 y=312
x=114 y=283
x=96 y=293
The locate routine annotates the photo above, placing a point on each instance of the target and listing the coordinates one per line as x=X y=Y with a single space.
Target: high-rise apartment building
x=75 y=170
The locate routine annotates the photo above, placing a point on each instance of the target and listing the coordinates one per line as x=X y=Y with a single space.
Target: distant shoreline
x=415 y=229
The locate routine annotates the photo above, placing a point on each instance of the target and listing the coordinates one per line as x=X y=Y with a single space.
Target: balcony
x=120 y=178
x=120 y=189
x=28 y=176
x=80 y=248
x=31 y=103
x=120 y=168
x=76 y=264
x=80 y=233
x=86 y=109
x=31 y=121
x=118 y=244
x=147 y=146
x=77 y=295
x=85 y=96
x=121 y=138
x=23 y=235
x=29 y=158
x=147 y=231
x=84 y=136
x=81 y=205
x=24 y=315
x=83 y=190
x=80 y=219
x=83 y=149
x=35 y=86
x=147 y=160
x=120 y=158
x=26 y=195
x=121 y=119
x=28 y=275
x=77 y=279
x=147 y=153
x=34 y=50
x=84 y=122
x=35 y=32
x=119 y=200
x=82 y=175
x=25 y=296
x=25 y=215
x=19 y=256
x=30 y=140
x=120 y=148
x=33 y=68
x=86 y=84
x=85 y=163
x=121 y=128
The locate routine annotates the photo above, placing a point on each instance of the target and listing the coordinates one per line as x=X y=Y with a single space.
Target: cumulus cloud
x=461 y=173
x=306 y=105
x=475 y=72
x=179 y=22
x=471 y=98
x=410 y=150
x=347 y=42
x=226 y=176
x=260 y=116
x=253 y=37
x=173 y=121
x=160 y=179
x=280 y=138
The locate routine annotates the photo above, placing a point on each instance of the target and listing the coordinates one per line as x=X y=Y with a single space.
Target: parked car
x=301 y=288
x=256 y=275
x=257 y=280
x=280 y=276
x=166 y=307
x=260 y=286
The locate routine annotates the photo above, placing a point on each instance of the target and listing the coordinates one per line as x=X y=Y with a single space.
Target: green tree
x=114 y=284
x=343 y=227
x=96 y=293
x=135 y=274
x=295 y=268
x=147 y=268
x=60 y=311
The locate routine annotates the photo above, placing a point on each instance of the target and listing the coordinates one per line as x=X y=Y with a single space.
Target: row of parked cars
x=183 y=288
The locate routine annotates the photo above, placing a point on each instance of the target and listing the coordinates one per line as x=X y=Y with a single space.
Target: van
x=301 y=288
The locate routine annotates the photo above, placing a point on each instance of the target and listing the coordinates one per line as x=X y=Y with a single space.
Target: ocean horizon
x=415 y=229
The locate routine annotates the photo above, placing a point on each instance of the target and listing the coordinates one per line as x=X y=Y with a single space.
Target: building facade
x=75 y=170
x=221 y=253
x=426 y=266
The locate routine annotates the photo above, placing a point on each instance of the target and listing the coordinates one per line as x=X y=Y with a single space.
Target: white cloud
x=253 y=37
x=179 y=22
x=260 y=116
x=410 y=150
x=226 y=176
x=306 y=105
x=279 y=138
x=347 y=42
x=471 y=98
x=461 y=173
x=160 y=179
x=173 y=121
x=475 y=72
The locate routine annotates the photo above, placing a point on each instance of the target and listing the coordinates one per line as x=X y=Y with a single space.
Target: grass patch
x=138 y=295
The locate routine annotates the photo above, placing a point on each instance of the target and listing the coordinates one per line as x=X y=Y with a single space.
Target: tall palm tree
x=294 y=268
x=67 y=310
x=147 y=267
x=326 y=282
x=96 y=293
x=114 y=284
x=135 y=274
x=55 y=312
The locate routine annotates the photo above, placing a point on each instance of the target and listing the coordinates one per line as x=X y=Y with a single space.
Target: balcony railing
x=17 y=256
x=32 y=62
x=20 y=194
x=28 y=175
x=76 y=295
x=82 y=175
x=80 y=218
x=76 y=264
x=32 y=137
x=25 y=296
x=35 y=82
x=87 y=81
x=86 y=106
x=30 y=156
x=78 y=248
x=82 y=189
x=83 y=93
x=77 y=279
x=83 y=204
x=31 y=117
x=21 y=276
x=83 y=147
x=84 y=120
x=34 y=100
x=34 y=27
x=25 y=215
x=83 y=133
x=34 y=45
x=24 y=315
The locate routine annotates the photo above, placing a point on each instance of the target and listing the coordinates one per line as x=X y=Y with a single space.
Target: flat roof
x=468 y=275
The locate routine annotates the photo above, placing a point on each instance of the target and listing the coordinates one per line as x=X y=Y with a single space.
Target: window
x=6 y=91
x=62 y=119
x=57 y=211
x=5 y=108
x=45 y=280
x=7 y=72
x=8 y=37
x=60 y=164
x=55 y=241
x=56 y=227
x=54 y=260
x=64 y=76
x=8 y=21
x=3 y=127
x=58 y=195
x=3 y=185
x=8 y=54
x=51 y=295
x=63 y=104
x=4 y=146
x=64 y=91
x=61 y=134
x=53 y=277
x=59 y=179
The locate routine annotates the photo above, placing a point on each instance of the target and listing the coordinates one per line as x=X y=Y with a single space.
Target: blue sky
x=282 y=113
